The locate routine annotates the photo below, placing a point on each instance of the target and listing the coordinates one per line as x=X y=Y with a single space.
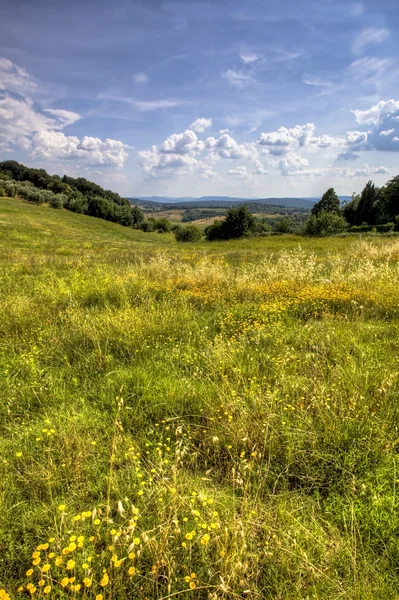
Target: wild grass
x=201 y=421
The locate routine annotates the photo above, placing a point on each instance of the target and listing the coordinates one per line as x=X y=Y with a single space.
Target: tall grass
x=207 y=421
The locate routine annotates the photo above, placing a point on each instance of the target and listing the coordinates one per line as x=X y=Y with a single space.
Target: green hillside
x=209 y=421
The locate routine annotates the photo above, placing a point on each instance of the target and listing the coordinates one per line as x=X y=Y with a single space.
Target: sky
x=190 y=97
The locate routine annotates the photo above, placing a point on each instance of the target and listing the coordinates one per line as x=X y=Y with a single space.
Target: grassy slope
x=239 y=400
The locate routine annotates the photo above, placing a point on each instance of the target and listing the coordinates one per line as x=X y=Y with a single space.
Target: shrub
x=147 y=226
x=57 y=200
x=325 y=223
x=191 y=233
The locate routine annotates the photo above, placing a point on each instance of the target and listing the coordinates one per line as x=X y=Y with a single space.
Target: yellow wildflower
x=70 y=564
x=61 y=507
x=29 y=572
x=132 y=570
x=64 y=581
x=58 y=561
x=36 y=561
x=47 y=589
x=105 y=579
x=87 y=581
x=192 y=585
x=46 y=568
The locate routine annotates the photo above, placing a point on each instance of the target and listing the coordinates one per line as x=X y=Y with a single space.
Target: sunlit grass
x=205 y=421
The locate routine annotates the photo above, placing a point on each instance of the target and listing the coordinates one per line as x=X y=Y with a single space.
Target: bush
x=238 y=223
x=147 y=226
x=191 y=233
x=325 y=223
x=162 y=225
x=57 y=200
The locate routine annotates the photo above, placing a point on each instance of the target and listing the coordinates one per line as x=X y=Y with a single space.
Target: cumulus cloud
x=377 y=113
x=90 y=150
x=365 y=171
x=39 y=130
x=292 y=165
x=199 y=125
x=227 y=147
x=283 y=140
x=371 y=35
x=237 y=78
x=348 y=155
x=259 y=169
x=15 y=79
x=240 y=172
x=182 y=143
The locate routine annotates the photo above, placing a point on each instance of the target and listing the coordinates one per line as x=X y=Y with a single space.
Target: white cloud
x=292 y=164
x=38 y=130
x=282 y=141
x=240 y=172
x=64 y=117
x=227 y=147
x=348 y=155
x=366 y=171
x=199 y=125
x=141 y=78
x=371 y=35
x=223 y=131
x=142 y=105
x=237 y=78
x=89 y=150
x=377 y=113
x=368 y=68
x=259 y=169
x=182 y=143
x=14 y=79
x=316 y=81
x=249 y=57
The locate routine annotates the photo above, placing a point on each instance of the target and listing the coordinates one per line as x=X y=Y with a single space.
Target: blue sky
x=178 y=98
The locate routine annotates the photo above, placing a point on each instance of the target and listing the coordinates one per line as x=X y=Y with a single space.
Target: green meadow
x=207 y=421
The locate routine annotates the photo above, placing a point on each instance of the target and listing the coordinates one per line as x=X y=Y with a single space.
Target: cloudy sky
x=189 y=97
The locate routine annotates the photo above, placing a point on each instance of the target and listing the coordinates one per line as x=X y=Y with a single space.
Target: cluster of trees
x=374 y=208
x=78 y=195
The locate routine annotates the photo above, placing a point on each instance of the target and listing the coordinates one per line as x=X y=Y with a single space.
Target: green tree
x=365 y=211
x=325 y=223
x=349 y=209
x=191 y=233
x=328 y=203
x=388 y=200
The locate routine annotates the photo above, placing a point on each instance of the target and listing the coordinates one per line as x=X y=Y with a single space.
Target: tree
x=325 y=223
x=328 y=203
x=365 y=211
x=388 y=200
x=191 y=233
x=349 y=209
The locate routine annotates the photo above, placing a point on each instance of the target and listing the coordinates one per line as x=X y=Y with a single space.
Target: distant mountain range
x=225 y=201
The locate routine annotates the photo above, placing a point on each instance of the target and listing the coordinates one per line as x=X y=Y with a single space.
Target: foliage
x=328 y=203
x=366 y=210
x=211 y=422
x=191 y=233
x=349 y=209
x=388 y=199
x=238 y=223
x=325 y=223
x=78 y=195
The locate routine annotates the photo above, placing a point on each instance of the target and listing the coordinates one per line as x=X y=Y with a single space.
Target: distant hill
x=224 y=201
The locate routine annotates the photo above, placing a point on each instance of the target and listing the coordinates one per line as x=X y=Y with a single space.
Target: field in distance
x=211 y=420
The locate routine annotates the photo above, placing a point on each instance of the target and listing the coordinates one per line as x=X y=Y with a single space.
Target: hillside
x=224 y=201
x=208 y=421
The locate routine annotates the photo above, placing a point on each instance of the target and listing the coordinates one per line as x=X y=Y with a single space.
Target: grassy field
x=209 y=421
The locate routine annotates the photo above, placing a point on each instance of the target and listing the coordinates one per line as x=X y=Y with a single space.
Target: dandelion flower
x=29 y=572
x=61 y=507
x=35 y=554
x=189 y=536
x=46 y=568
x=18 y=454
x=58 y=561
x=87 y=581
x=51 y=555
x=47 y=589
x=105 y=580
x=136 y=541
x=70 y=564
x=99 y=597
x=132 y=570
x=72 y=546
x=45 y=546
x=192 y=585
x=36 y=561
x=97 y=521
x=132 y=555
x=64 y=581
